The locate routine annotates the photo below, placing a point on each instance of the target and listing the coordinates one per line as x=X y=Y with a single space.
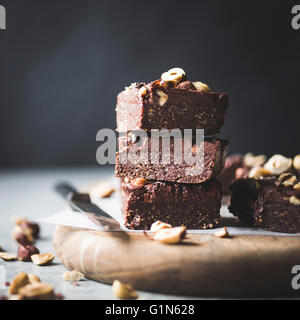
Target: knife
x=81 y=202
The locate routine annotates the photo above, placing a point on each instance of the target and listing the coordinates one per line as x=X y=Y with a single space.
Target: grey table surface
x=29 y=193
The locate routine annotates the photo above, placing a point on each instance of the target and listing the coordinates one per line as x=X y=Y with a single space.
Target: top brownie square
x=171 y=102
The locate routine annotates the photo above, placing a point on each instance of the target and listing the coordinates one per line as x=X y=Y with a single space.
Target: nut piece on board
x=33 y=278
x=170 y=235
x=37 y=291
x=41 y=259
x=8 y=256
x=250 y=160
x=22 y=236
x=278 y=164
x=19 y=281
x=102 y=190
x=73 y=275
x=295 y=201
x=123 y=291
x=159 y=225
x=163 y=98
x=258 y=172
x=296 y=162
x=222 y=233
x=26 y=251
x=202 y=87
x=28 y=227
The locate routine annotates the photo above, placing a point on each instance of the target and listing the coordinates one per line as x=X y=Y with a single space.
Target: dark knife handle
x=69 y=193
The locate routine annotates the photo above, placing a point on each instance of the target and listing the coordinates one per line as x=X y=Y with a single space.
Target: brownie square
x=196 y=206
x=183 y=109
x=214 y=151
x=272 y=203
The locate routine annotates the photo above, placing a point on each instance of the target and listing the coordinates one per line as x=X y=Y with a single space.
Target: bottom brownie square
x=196 y=206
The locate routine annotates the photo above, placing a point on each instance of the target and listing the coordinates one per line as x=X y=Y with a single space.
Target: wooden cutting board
x=242 y=265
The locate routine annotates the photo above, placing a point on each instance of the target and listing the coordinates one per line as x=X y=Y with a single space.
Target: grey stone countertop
x=29 y=193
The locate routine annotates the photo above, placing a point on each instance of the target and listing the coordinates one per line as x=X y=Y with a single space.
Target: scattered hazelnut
x=22 y=236
x=8 y=256
x=202 y=87
x=123 y=291
x=73 y=275
x=28 y=227
x=42 y=259
x=33 y=278
x=174 y=75
x=158 y=225
x=102 y=190
x=138 y=182
x=186 y=85
x=170 y=235
x=251 y=160
x=26 y=251
x=278 y=164
x=37 y=291
x=163 y=98
x=294 y=200
x=296 y=162
x=258 y=172
x=222 y=233
x=19 y=281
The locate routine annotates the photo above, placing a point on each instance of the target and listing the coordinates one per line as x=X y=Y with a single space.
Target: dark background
x=63 y=62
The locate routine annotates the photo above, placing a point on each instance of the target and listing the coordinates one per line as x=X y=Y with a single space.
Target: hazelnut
x=222 y=233
x=241 y=173
x=37 y=291
x=186 y=85
x=251 y=160
x=294 y=200
x=138 y=182
x=174 y=75
x=123 y=291
x=19 y=281
x=297 y=186
x=158 y=225
x=33 y=278
x=142 y=92
x=202 y=87
x=290 y=182
x=296 y=162
x=170 y=235
x=28 y=227
x=73 y=275
x=258 y=172
x=41 y=259
x=163 y=98
x=8 y=256
x=26 y=251
x=102 y=190
x=22 y=236
x=278 y=164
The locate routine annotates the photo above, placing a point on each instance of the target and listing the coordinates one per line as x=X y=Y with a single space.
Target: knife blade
x=81 y=202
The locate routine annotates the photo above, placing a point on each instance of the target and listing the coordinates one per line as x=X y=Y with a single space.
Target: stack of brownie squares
x=167 y=192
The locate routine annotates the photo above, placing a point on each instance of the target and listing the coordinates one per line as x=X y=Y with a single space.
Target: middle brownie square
x=214 y=151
